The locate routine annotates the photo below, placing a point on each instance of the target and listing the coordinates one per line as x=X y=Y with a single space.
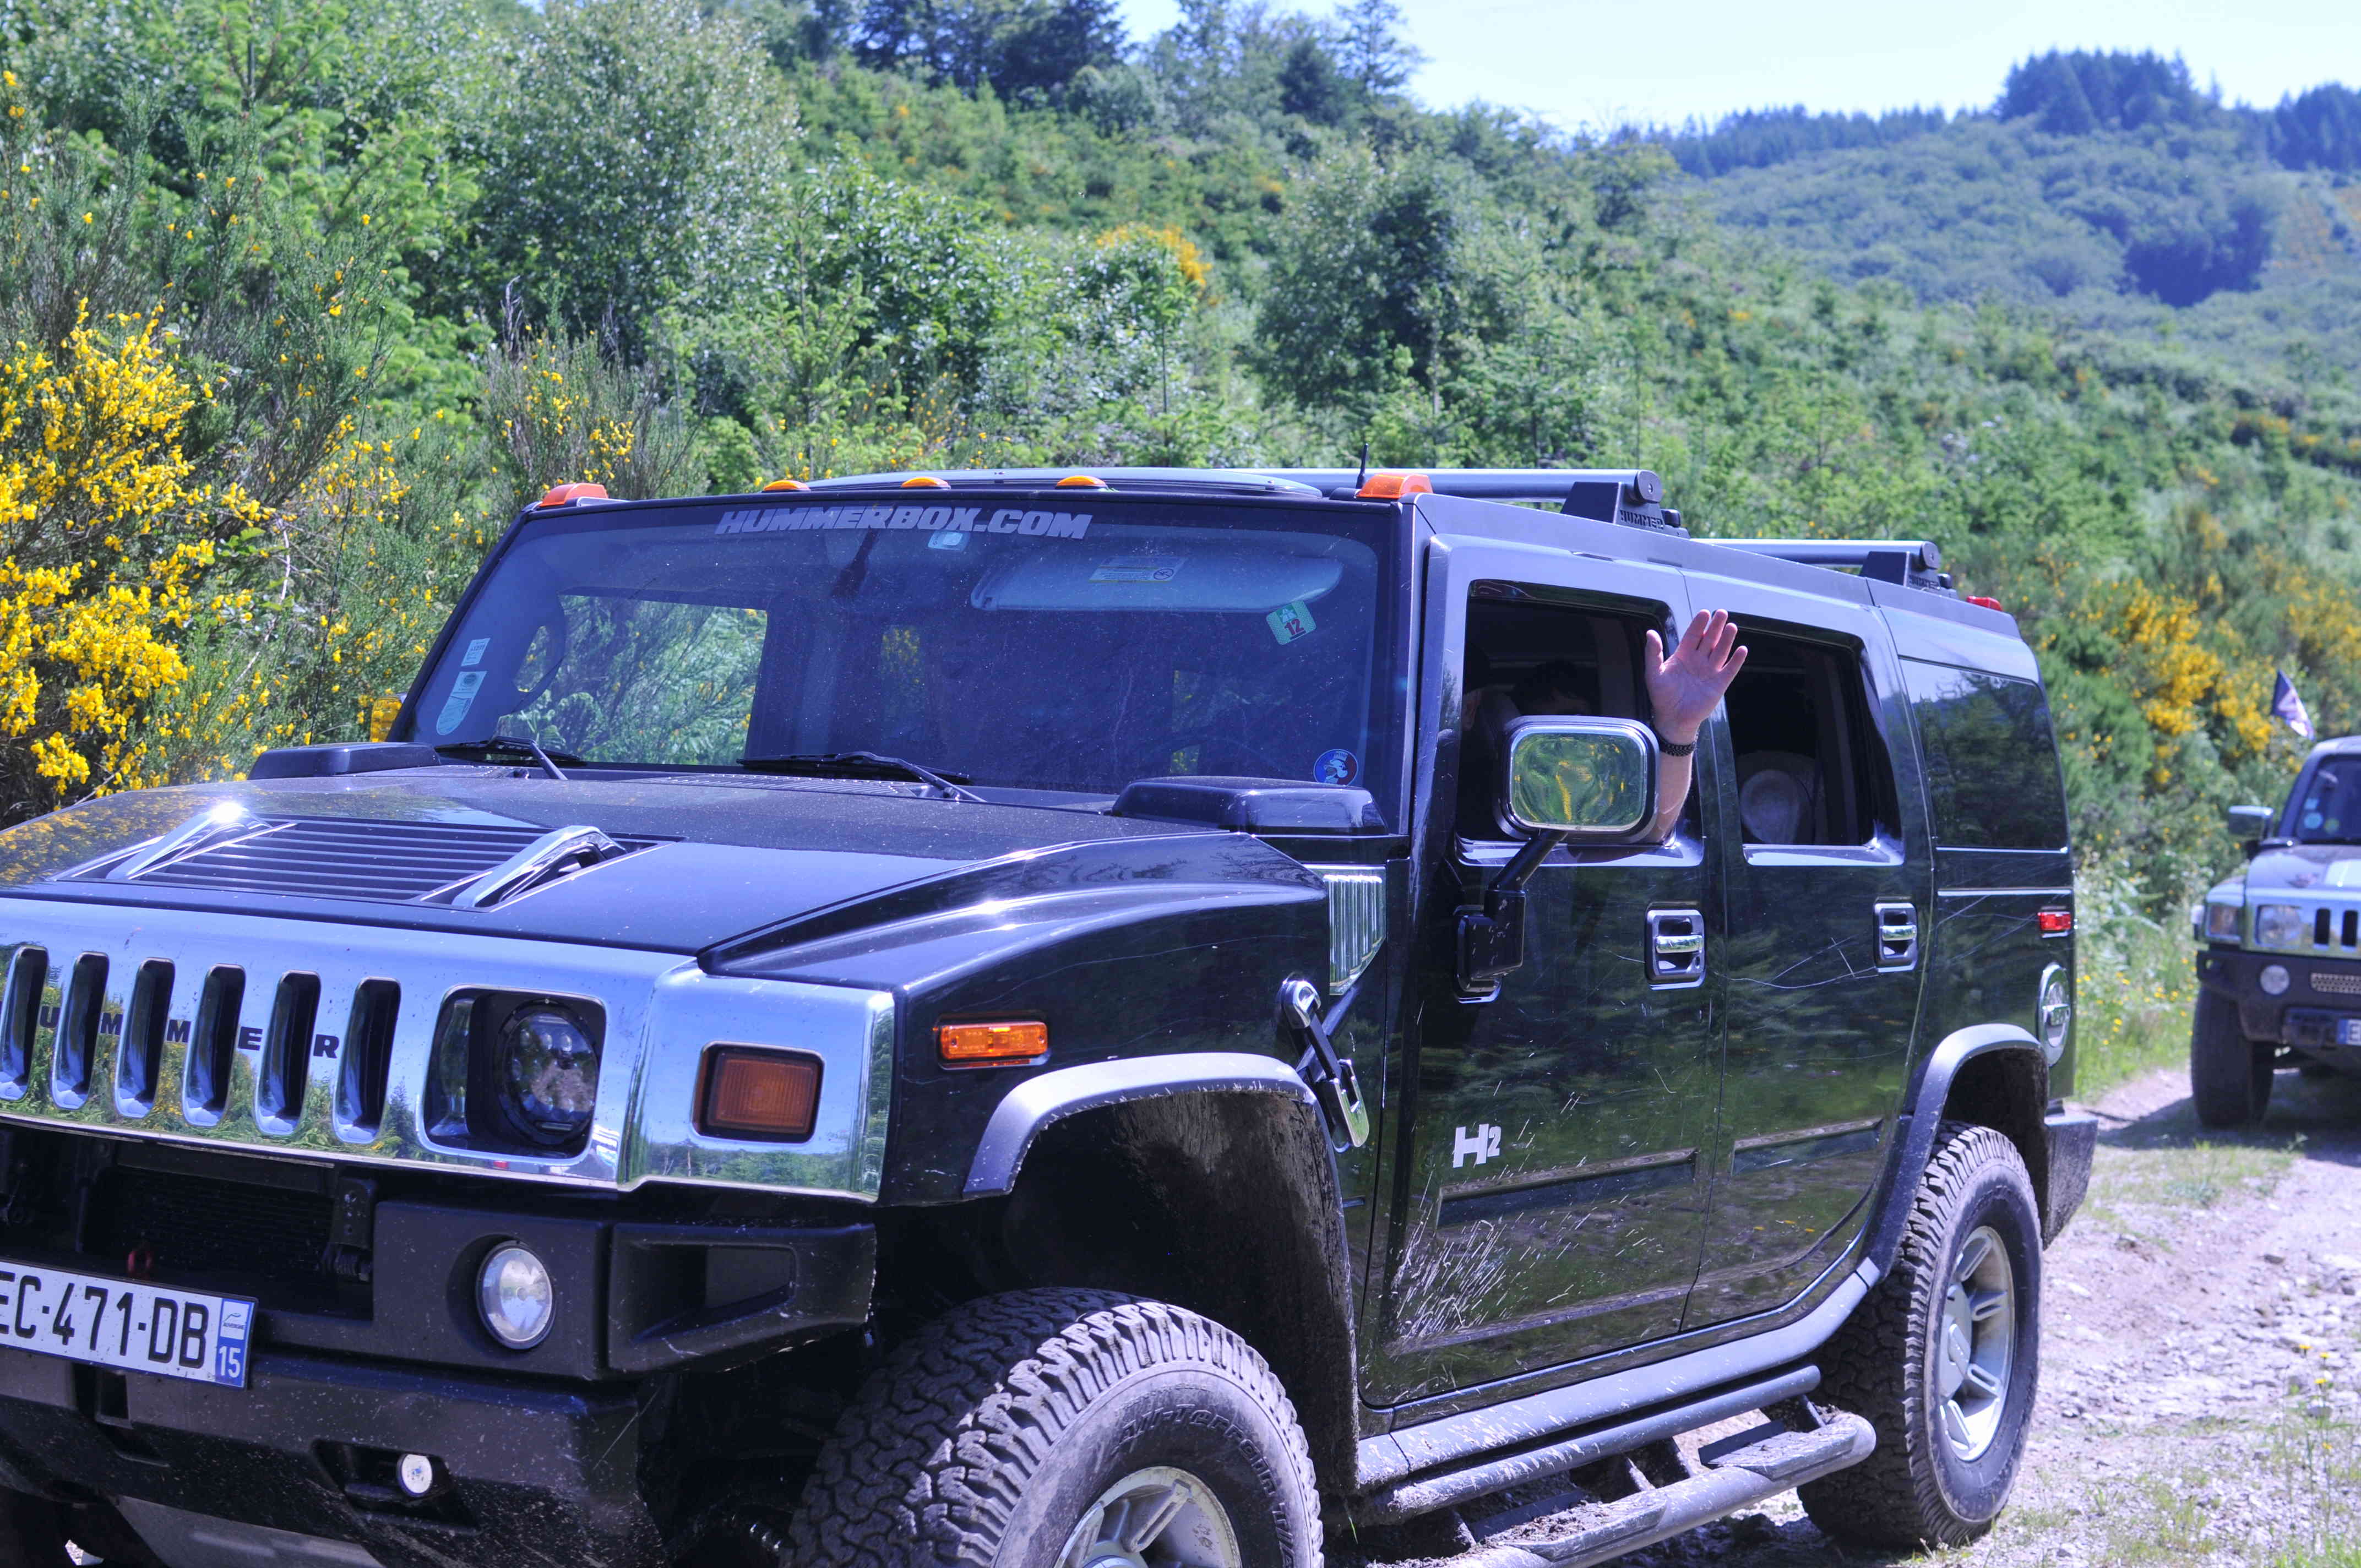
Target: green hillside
x=305 y=298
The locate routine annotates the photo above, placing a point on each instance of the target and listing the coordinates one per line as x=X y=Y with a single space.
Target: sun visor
x=1212 y=575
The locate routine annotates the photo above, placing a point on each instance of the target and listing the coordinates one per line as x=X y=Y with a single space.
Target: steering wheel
x=1262 y=765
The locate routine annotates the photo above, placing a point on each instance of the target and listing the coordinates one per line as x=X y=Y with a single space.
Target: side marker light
x=749 y=1093
x=2056 y=922
x=1393 y=484
x=994 y=1043
x=567 y=495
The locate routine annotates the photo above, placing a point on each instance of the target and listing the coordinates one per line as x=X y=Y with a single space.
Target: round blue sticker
x=1336 y=766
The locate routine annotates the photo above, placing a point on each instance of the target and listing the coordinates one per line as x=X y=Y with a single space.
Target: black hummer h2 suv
x=1056 y=1022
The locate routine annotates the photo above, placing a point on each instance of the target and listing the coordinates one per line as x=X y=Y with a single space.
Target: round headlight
x=2274 y=979
x=2281 y=926
x=548 y=1075
x=516 y=1298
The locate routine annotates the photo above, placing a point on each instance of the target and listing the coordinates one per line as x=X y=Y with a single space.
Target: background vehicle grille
x=321 y=856
x=2336 y=985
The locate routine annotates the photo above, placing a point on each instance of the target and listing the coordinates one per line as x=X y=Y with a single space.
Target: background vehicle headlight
x=2274 y=979
x=2280 y=925
x=2222 y=921
x=516 y=1297
x=548 y=1075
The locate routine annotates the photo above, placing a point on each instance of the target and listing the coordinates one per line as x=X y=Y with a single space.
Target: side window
x=1992 y=765
x=1812 y=768
x=1525 y=660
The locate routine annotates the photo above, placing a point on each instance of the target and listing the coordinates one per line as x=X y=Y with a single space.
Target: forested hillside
x=301 y=300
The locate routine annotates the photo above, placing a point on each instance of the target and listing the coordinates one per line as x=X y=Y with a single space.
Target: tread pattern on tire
x=1873 y=1363
x=927 y=1465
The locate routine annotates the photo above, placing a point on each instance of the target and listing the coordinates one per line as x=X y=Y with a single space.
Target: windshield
x=2328 y=804
x=1073 y=649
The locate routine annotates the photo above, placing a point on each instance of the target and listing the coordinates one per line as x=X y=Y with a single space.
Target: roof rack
x=1631 y=496
x=1914 y=562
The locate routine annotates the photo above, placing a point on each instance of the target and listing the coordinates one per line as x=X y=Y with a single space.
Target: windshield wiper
x=862 y=765
x=483 y=752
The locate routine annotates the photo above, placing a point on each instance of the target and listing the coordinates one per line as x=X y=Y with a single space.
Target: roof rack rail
x=1914 y=562
x=1631 y=496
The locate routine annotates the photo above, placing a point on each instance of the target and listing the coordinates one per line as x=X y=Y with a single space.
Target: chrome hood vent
x=400 y=861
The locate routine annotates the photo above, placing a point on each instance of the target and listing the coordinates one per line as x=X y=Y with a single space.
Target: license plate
x=122 y=1323
x=2348 y=1031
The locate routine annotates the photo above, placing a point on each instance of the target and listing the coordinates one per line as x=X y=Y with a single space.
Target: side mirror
x=2248 y=823
x=1590 y=780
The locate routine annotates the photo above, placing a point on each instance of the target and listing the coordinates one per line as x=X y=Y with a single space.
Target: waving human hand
x=1684 y=688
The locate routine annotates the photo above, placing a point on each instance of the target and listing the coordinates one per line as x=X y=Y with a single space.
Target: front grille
x=345 y=858
x=2336 y=985
x=198 y=1225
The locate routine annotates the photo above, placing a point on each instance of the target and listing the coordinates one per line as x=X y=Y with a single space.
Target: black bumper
x=526 y=1473
x=2322 y=994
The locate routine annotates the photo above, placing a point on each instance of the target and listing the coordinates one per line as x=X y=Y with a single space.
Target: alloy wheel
x=1156 y=1518
x=1976 y=1333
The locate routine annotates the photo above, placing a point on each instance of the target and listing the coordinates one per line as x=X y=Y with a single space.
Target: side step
x=1737 y=1472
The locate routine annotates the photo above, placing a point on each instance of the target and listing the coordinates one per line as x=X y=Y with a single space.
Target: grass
x=2135 y=984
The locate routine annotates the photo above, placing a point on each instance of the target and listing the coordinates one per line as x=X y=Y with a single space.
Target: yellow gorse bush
x=105 y=546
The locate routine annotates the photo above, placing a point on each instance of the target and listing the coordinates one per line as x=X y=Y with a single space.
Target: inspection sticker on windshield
x=923 y=520
x=462 y=698
x=1138 y=569
x=1289 y=621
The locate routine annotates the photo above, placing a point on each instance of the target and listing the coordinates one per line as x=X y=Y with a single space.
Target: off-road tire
x=2229 y=1075
x=31 y=1533
x=1914 y=1489
x=984 y=1439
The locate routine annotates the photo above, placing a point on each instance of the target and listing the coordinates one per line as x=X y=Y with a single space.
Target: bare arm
x=1684 y=690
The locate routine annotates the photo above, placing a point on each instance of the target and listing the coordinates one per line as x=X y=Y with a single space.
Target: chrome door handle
x=1675 y=947
x=1897 y=937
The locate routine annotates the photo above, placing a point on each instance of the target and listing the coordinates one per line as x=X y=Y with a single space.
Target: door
x=1551 y=1201
x=1825 y=866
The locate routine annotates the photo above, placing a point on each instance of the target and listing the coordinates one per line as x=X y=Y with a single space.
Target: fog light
x=516 y=1298
x=2274 y=979
x=416 y=1474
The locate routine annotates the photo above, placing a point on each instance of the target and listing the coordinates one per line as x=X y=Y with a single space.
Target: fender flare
x=1918 y=1126
x=1038 y=1104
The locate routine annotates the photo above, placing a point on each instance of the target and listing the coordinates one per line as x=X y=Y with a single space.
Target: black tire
x=2229 y=1076
x=32 y=1535
x=984 y=1441
x=1916 y=1489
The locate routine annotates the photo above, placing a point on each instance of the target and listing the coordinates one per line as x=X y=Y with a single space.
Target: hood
x=2308 y=869
x=724 y=854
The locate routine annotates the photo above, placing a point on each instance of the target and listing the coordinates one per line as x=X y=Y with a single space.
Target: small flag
x=2288 y=706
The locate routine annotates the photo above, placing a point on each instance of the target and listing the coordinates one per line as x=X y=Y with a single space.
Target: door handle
x=1897 y=937
x=1675 y=947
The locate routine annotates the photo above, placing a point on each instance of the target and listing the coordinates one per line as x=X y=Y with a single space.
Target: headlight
x=2222 y=921
x=516 y=1298
x=548 y=1075
x=2281 y=926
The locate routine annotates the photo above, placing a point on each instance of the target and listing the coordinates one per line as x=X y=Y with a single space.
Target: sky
x=1617 y=61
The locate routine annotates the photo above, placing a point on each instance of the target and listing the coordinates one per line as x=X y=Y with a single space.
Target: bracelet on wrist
x=1673 y=748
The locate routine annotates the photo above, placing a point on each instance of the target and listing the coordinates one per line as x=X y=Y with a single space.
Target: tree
x=1375 y=53
x=1022 y=48
x=1310 y=85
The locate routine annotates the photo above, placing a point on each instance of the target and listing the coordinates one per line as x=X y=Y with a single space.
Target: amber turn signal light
x=1393 y=484
x=992 y=1044
x=2056 y=922
x=749 y=1093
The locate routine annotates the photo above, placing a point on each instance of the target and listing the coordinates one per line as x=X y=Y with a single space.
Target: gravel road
x=2198 y=1391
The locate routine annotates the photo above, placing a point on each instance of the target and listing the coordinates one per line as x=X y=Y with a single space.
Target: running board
x=1733 y=1478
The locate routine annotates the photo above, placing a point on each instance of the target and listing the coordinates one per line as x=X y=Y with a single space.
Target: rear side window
x=1811 y=769
x=1991 y=765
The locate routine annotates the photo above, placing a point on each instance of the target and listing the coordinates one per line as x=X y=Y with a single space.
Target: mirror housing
x=2249 y=823
x=1592 y=781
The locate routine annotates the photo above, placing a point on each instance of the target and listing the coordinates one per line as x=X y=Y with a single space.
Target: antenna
x=1363 y=477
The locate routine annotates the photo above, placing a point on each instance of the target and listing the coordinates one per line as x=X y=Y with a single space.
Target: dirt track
x=2197 y=1387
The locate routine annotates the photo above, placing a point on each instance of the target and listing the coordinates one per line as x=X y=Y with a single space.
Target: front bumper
x=294 y=1468
x=2320 y=994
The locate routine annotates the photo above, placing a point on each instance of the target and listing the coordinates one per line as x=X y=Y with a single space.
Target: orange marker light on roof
x=786 y=485
x=1393 y=484
x=925 y=482
x=1978 y=599
x=567 y=495
x=1081 y=482
x=749 y=1093
x=993 y=1043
